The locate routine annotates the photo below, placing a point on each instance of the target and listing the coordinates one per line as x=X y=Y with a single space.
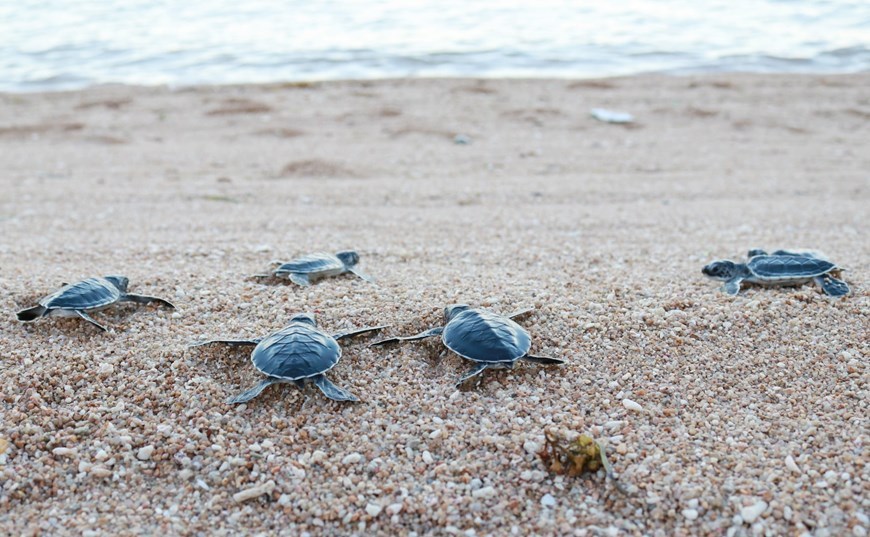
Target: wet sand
x=753 y=412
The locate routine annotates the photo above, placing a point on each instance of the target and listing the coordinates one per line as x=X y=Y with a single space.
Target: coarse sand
x=745 y=415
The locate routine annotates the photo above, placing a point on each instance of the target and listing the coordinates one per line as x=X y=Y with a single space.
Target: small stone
x=254 y=492
x=394 y=508
x=427 y=457
x=631 y=405
x=318 y=456
x=484 y=492
x=145 y=453
x=285 y=499
x=461 y=139
x=548 y=501
x=100 y=471
x=531 y=447
x=352 y=458
x=750 y=513
x=792 y=465
x=690 y=514
x=373 y=509
x=65 y=452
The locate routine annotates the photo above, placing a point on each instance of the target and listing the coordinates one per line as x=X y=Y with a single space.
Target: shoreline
x=602 y=228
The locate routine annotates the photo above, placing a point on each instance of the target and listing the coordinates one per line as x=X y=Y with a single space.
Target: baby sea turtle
x=782 y=267
x=298 y=353
x=310 y=268
x=82 y=298
x=490 y=340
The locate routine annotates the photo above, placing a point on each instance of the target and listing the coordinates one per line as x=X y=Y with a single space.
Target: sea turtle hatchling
x=491 y=341
x=82 y=298
x=308 y=269
x=298 y=353
x=782 y=267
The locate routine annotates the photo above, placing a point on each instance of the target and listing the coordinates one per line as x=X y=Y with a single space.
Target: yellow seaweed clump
x=576 y=456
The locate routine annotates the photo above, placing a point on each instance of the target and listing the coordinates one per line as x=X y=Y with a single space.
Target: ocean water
x=63 y=44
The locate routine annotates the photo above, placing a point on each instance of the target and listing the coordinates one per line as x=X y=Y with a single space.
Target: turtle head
x=304 y=318
x=348 y=257
x=721 y=270
x=453 y=310
x=120 y=282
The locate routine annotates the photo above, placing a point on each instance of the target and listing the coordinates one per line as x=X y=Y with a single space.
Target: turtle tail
x=31 y=314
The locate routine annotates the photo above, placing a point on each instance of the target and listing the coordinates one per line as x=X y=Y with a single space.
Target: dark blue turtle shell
x=486 y=337
x=84 y=295
x=311 y=263
x=297 y=351
x=785 y=267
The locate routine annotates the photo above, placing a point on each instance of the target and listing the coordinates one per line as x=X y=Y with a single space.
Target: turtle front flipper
x=331 y=390
x=299 y=279
x=91 y=320
x=361 y=274
x=247 y=395
x=543 y=359
x=230 y=342
x=732 y=286
x=757 y=251
x=422 y=335
x=342 y=335
x=32 y=314
x=143 y=299
x=832 y=286
x=473 y=372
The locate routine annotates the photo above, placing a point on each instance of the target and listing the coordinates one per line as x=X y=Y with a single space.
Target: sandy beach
x=753 y=412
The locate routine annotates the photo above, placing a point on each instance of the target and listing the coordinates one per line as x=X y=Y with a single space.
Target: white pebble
x=427 y=457
x=285 y=499
x=106 y=369
x=485 y=492
x=64 y=452
x=318 y=456
x=631 y=405
x=750 y=513
x=690 y=514
x=373 y=509
x=548 y=500
x=531 y=447
x=394 y=508
x=792 y=465
x=145 y=453
x=353 y=458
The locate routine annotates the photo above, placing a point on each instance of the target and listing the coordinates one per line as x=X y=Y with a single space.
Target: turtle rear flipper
x=91 y=320
x=32 y=314
x=331 y=390
x=471 y=373
x=832 y=286
x=543 y=359
x=361 y=274
x=143 y=299
x=299 y=279
x=247 y=395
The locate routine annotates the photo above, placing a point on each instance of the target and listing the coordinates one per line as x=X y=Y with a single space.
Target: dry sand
x=754 y=409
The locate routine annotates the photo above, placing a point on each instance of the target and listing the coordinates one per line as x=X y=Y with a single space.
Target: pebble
x=531 y=447
x=394 y=508
x=65 y=452
x=792 y=465
x=690 y=514
x=319 y=456
x=483 y=492
x=352 y=458
x=631 y=405
x=145 y=453
x=548 y=500
x=750 y=513
x=254 y=492
x=373 y=509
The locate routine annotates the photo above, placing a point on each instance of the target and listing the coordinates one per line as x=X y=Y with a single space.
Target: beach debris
x=462 y=139
x=611 y=116
x=491 y=341
x=81 y=298
x=296 y=354
x=782 y=267
x=254 y=492
x=564 y=455
x=308 y=269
